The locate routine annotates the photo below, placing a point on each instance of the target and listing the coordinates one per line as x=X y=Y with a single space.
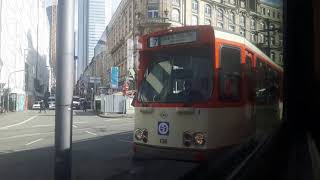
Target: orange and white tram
x=201 y=90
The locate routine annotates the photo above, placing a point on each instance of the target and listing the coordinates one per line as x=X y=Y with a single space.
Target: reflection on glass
x=177 y=78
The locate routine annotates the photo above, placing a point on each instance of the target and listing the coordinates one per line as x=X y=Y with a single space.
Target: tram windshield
x=178 y=77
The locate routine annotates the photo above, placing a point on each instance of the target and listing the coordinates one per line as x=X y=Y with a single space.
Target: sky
x=275 y=2
x=115 y=4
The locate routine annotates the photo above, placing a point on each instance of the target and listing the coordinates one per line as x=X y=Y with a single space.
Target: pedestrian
x=84 y=106
x=46 y=105
x=41 y=106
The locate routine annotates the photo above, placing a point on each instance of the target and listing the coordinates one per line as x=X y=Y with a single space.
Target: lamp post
x=1 y=64
x=50 y=69
x=92 y=100
x=9 y=87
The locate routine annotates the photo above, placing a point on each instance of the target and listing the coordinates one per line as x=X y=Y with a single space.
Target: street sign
x=114 y=77
x=95 y=80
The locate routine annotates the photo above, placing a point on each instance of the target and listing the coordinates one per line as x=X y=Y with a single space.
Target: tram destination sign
x=175 y=38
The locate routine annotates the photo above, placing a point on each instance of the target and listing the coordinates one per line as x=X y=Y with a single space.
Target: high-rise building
x=52 y=17
x=93 y=17
x=24 y=53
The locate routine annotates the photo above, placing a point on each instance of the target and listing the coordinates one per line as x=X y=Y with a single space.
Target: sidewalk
x=115 y=115
x=14 y=117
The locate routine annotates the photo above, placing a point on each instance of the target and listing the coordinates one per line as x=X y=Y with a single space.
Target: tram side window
x=230 y=73
x=273 y=86
x=261 y=83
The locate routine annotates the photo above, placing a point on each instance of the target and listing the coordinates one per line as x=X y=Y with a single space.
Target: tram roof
x=241 y=40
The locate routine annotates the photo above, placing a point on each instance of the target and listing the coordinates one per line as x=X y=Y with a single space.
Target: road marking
x=122 y=124
x=36 y=134
x=81 y=122
x=74 y=126
x=110 y=120
x=119 y=120
x=43 y=125
x=91 y=133
x=18 y=124
x=25 y=135
x=34 y=141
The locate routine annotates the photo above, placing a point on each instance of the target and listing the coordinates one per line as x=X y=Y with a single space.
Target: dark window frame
x=239 y=95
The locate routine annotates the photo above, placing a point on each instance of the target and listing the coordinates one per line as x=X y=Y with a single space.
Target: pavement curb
x=110 y=115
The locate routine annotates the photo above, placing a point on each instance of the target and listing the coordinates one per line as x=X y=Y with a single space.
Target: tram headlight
x=138 y=134
x=187 y=139
x=199 y=138
x=145 y=135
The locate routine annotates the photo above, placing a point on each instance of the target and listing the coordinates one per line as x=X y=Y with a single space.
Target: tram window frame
x=249 y=70
x=236 y=94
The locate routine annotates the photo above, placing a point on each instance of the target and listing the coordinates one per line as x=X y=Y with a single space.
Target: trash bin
x=98 y=105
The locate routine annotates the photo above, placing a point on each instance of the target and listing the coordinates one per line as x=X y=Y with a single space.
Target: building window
x=232 y=18
x=153 y=12
x=272 y=40
x=242 y=20
x=281 y=59
x=261 y=38
x=242 y=4
x=271 y=26
x=175 y=15
x=220 y=25
x=278 y=15
x=262 y=25
x=253 y=24
x=220 y=15
x=232 y=28
x=208 y=10
x=176 y=2
x=207 y=21
x=253 y=37
x=272 y=56
x=242 y=32
x=153 y=1
x=194 y=20
x=263 y=10
x=268 y=12
x=231 y=1
x=273 y=14
x=280 y=42
x=195 y=6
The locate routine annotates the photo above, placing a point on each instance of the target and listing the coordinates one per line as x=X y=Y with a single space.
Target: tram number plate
x=163 y=141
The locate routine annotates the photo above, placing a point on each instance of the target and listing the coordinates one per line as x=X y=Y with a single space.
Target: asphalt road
x=30 y=130
x=101 y=149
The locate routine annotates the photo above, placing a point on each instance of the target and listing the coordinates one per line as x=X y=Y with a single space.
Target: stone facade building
x=256 y=20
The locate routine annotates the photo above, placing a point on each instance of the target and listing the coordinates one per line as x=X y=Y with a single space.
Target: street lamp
x=9 y=86
x=1 y=65
x=92 y=98
x=50 y=86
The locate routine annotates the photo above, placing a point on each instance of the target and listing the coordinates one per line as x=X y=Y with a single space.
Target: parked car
x=36 y=105
x=75 y=102
x=52 y=102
